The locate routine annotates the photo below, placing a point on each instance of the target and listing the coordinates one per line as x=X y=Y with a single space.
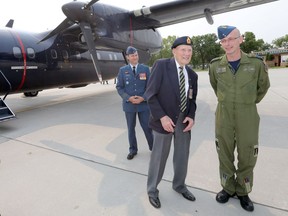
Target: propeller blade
x=75 y=12
x=64 y=25
x=90 y=3
x=87 y=32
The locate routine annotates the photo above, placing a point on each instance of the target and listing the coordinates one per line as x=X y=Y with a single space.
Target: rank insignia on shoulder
x=252 y=55
x=215 y=59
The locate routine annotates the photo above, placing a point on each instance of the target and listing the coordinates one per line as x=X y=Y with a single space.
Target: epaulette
x=252 y=55
x=215 y=59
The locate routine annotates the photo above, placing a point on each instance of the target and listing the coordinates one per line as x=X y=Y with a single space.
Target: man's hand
x=190 y=122
x=136 y=99
x=167 y=124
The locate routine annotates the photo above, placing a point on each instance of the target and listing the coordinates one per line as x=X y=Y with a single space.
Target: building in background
x=275 y=57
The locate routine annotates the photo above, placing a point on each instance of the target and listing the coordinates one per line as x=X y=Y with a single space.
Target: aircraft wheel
x=31 y=94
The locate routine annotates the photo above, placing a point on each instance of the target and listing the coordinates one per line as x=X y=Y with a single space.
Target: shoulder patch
x=266 y=67
x=252 y=55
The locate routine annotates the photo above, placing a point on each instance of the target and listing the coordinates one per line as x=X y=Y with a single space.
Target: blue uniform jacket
x=129 y=85
x=163 y=93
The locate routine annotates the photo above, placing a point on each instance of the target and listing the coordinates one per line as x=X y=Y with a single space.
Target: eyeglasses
x=229 y=40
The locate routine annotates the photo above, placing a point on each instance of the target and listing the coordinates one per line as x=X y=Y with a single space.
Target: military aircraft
x=89 y=45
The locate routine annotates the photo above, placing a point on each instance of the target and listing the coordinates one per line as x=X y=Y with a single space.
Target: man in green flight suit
x=240 y=81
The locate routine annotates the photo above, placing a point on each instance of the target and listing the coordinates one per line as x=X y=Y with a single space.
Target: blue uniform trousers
x=131 y=124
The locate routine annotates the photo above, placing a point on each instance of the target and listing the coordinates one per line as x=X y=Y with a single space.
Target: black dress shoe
x=130 y=156
x=189 y=196
x=155 y=202
x=223 y=196
x=246 y=203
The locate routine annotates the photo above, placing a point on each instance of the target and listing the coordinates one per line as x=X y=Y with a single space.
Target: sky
x=267 y=21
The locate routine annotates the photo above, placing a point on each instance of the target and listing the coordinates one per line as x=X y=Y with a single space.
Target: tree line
x=206 y=47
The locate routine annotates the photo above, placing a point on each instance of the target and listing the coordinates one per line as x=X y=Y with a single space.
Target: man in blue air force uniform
x=131 y=84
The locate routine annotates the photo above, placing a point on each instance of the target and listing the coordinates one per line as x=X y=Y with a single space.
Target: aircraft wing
x=184 y=10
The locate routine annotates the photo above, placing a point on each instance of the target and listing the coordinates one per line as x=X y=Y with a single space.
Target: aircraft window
x=17 y=52
x=31 y=53
x=65 y=54
x=53 y=54
x=109 y=56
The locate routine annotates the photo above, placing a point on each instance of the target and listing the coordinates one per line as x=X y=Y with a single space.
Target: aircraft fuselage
x=64 y=59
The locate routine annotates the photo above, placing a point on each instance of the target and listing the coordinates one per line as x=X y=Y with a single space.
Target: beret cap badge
x=182 y=41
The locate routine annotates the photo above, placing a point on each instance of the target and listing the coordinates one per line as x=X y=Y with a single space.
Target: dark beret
x=224 y=31
x=130 y=50
x=182 y=41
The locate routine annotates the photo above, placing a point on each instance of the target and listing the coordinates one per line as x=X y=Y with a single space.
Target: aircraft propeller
x=79 y=13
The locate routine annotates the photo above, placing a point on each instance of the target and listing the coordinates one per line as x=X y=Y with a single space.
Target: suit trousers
x=160 y=153
x=131 y=124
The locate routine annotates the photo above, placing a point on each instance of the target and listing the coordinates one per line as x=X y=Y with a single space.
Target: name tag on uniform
x=142 y=76
x=221 y=70
x=249 y=69
x=190 y=94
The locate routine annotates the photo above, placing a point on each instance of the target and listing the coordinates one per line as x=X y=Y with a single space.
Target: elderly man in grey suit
x=171 y=93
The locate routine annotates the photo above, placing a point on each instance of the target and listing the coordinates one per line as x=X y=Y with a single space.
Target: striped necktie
x=182 y=90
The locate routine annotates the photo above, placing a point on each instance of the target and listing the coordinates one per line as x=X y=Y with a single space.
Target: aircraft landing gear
x=31 y=94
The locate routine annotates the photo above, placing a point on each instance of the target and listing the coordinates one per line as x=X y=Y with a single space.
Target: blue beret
x=182 y=41
x=130 y=50
x=224 y=31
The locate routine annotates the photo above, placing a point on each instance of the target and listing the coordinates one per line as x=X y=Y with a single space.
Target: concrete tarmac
x=65 y=155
